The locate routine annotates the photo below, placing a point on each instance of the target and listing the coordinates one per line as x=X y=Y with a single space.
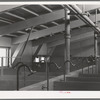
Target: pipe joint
x=95 y=36
x=67 y=36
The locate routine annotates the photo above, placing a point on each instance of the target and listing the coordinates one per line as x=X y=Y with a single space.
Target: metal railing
x=75 y=62
x=80 y=63
x=18 y=69
x=47 y=71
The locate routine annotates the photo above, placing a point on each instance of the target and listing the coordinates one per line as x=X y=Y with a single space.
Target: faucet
x=18 y=69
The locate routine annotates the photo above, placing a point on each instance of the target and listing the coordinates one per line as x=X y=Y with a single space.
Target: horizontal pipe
x=85 y=18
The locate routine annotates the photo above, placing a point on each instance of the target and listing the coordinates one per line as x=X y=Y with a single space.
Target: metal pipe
x=26 y=41
x=24 y=76
x=18 y=69
x=82 y=66
x=83 y=8
x=47 y=73
x=67 y=43
x=96 y=17
x=83 y=17
x=2 y=66
x=88 y=64
x=96 y=50
x=55 y=65
x=19 y=63
x=96 y=43
x=93 y=60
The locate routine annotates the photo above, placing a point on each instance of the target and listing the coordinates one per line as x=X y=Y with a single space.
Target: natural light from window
x=4 y=55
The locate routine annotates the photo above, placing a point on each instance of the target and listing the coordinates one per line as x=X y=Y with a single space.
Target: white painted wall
x=43 y=50
x=5 y=42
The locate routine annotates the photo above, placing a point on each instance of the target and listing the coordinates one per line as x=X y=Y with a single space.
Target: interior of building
x=49 y=47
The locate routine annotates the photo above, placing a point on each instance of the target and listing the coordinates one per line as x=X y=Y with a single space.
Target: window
x=4 y=56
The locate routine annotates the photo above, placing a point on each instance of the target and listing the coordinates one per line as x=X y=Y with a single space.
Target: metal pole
x=47 y=73
x=67 y=43
x=1 y=66
x=83 y=9
x=96 y=43
x=96 y=50
x=24 y=76
x=82 y=65
x=8 y=57
x=17 y=79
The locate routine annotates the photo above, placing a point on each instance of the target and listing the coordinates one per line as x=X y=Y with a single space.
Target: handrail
x=58 y=67
x=47 y=72
x=92 y=58
x=70 y=62
x=17 y=64
x=18 y=69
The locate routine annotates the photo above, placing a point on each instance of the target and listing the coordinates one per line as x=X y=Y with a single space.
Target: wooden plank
x=31 y=22
x=36 y=21
x=55 y=29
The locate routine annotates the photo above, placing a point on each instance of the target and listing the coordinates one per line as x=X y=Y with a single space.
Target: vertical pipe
x=92 y=69
x=88 y=67
x=67 y=43
x=24 y=76
x=88 y=63
x=95 y=43
x=47 y=73
x=1 y=66
x=17 y=79
x=83 y=9
x=11 y=61
x=96 y=17
x=82 y=65
x=96 y=51
x=7 y=57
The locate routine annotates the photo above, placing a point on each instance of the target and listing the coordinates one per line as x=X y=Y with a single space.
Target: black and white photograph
x=50 y=47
